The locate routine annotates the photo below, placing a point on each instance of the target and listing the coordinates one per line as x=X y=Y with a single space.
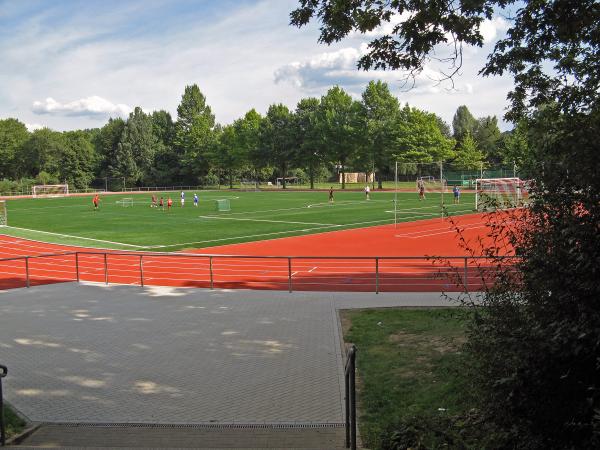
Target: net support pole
x=377 y=275
x=210 y=268
x=77 y=265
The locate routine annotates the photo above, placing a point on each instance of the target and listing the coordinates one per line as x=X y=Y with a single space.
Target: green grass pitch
x=253 y=216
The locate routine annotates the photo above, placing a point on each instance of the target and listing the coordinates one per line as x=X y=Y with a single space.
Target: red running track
x=365 y=259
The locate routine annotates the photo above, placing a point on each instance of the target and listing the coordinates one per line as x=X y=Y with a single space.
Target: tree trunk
x=283 y=172
x=231 y=179
x=379 y=182
x=311 y=174
x=343 y=176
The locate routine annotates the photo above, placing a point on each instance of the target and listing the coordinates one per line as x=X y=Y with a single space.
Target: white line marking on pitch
x=272 y=221
x=75 y=237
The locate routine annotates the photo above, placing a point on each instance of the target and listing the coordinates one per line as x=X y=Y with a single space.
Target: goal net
x=3 y=214
x=431 y=184
x=500 y=193
x=249 y=185
x=50 y=190
x=223 y=205
x=125 y=202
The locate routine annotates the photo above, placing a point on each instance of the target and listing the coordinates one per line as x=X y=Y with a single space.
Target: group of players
x=421 y=189
x=161 y=203
x=155 y=203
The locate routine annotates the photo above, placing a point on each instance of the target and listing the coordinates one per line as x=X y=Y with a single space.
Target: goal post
x=500 y=193
x=249 y=185
x=223 y=205
x=125 y=202
x=50 y=190
x=3 y=214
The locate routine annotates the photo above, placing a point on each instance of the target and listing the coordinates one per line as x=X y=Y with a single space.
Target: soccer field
x=253 y=216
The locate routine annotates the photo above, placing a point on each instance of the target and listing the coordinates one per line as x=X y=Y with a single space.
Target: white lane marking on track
x=269 y=220
x=312 y=269
x=421 y=234
x=75 y=237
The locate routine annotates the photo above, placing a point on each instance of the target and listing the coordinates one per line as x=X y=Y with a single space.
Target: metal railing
x=350 y=397
x=3 y=372
x=342 y=273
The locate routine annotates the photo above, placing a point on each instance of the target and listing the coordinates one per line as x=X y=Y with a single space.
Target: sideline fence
x=291 y=273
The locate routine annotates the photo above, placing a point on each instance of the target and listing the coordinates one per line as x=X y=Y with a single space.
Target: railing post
x=377 y=275
x=350 y=397
x=210 y=258
x=466 y=281
x=77 y=265
x=290 y=274
x=106 y=268
x=3 y=372
x=27 y=271
x=142 y=270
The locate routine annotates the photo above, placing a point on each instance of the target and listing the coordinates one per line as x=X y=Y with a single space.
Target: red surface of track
x=325 y=261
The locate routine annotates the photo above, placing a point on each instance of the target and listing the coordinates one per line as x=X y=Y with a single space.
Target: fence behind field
x=291 y=273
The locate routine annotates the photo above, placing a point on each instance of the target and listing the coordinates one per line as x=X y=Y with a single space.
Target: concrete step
x=247 y=437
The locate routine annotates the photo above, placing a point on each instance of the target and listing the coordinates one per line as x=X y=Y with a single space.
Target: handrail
x=350 y=397
x=3 y=372
x=377 y=260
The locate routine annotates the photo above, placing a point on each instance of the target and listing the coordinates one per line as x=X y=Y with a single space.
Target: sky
x=73 y=64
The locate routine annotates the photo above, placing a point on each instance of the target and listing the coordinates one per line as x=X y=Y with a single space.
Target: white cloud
x=89 y=106
x=34 y=126
x=490 y=29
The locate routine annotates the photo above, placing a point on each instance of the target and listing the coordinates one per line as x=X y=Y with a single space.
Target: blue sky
x=72 y=64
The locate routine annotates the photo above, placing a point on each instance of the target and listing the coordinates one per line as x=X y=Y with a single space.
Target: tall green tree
x=106 y=143
x=248 y=141
x=136 y=149
x=419 y=139
x=194 y=133
x=380 y=110
x=13 y=135
x=468 y=156
x=277 y=138
x=339 y=122
x=311 y=152
x=463 y=123
x=487 y=136
x=42 y=153
x=78 y=160
x=165 y=168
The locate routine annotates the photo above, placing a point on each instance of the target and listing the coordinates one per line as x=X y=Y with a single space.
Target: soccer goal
x=249 y=185
x=223 y=205
x=500 y=193
x=3 y=214
x=50 y=190
x=125 y=202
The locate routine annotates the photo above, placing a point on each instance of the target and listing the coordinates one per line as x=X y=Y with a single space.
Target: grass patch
x=409 y=369
x=13 y=423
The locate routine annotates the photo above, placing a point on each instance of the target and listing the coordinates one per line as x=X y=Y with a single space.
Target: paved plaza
x=123 y=354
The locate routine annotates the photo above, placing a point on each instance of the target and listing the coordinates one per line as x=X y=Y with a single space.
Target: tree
x=338 y=123
x=106 y=143
x=136 y=149
x=277 y=138
x=419 y=139
x=165 y=168
x=487 y=136
x=468 y=156
x=379 y=111
x=248 y=140
x=194 y=133
x=536 y=343
x=463 y=123
x=308 y=138
x=13 y=135
x=42 y=153
x=78 y=160
x=514 y=147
